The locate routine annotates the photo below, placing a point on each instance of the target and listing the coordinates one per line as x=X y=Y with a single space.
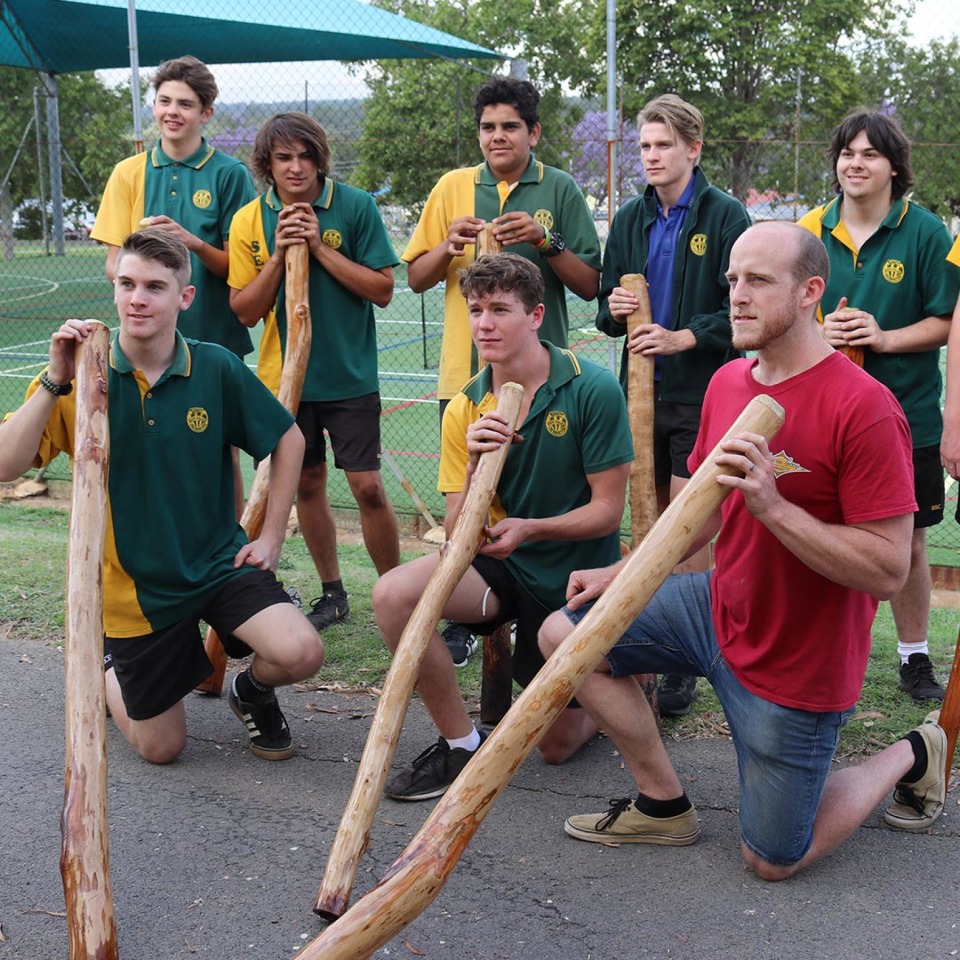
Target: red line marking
x=414 y=453
x=407 y=403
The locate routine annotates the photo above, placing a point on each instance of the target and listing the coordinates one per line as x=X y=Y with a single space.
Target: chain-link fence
x=45 y=278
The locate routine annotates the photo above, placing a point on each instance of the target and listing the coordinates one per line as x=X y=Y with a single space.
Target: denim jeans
x=784 y=755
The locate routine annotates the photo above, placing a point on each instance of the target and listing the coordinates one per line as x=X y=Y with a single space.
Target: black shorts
x=928 y=487
x=159 y=669
x=675 y=429
x=354 y=428
x=516 y=603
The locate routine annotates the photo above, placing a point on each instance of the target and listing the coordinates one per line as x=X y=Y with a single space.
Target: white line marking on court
x=52 y=287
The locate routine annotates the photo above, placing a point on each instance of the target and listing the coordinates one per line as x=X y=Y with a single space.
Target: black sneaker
x=460 y=641
x=675 y=695
x=918 y=679
x=328 y=608
x=431 y=773
x=269 y=734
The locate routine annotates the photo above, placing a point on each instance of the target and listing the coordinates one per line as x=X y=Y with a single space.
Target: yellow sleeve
x=460 y=413
x=451 y=197
x=121 y=208
x=954 y=255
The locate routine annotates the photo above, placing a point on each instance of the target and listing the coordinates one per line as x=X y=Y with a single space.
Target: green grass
x=33 y=550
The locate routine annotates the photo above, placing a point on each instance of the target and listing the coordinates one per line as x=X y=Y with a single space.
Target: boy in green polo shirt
x=351 y=269
x=186 y=187
x=537 y=211
x=894 y=293
x=558 y=508
x=174 y=552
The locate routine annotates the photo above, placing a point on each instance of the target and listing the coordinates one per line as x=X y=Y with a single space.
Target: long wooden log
x=299 y=338
x=640 y=402
x=353 y=835
x=644 y=508
x=950 y=711
x=84 y=855
x=420 y=873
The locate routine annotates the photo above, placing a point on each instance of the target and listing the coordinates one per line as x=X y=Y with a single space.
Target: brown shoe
x=624 y=823
x=917 y=805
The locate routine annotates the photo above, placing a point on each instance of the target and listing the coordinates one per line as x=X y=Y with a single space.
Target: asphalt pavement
x=220 y=855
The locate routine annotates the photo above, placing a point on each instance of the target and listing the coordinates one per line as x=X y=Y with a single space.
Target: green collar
x=564 y=367
x=182 y=358
x=323 y=201
x=196 y=159
x=831 y=218
x=533 y=173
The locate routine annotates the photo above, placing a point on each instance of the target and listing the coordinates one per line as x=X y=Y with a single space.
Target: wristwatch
x=57 y=389
x=557 y=245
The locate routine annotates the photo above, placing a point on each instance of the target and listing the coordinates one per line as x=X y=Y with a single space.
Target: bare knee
x=312 y=483
x=554 y=630
x=394 y=597
x=568 y=733
x=771 y=872
x=306 y=654
x=368 y=490
x=159 y=751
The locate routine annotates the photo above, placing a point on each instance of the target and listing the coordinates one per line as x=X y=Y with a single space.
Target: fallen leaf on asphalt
x=413 y=949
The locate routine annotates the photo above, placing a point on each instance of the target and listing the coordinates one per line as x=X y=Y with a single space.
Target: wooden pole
x=84 y=855
x=418 y=876
x=640 y=401
x=644 y=508
x=950 y=711
x=353 y=835
x=299 y=339
x=487 y=243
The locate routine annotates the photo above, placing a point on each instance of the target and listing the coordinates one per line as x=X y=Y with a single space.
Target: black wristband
x=57 y=389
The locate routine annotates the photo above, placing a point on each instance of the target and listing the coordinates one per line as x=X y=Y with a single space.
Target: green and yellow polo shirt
x=201 y=193
x=576 y=426
x=343 y=354
x=900 y=275
x=552 y=198
x=172 y=533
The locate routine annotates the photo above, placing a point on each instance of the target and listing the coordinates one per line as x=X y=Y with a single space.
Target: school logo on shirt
x=544 y=218
x=332 y=238
x=893 y=271
x=197 y=419
x=202 y=199
x=698 y=244
x=784 y=463
x=556 y=423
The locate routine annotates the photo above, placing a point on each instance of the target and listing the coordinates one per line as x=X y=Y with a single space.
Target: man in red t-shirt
x=816 y=530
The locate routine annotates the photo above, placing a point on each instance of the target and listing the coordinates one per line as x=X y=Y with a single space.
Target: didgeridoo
x=640 y=399
x=950 y=711
x=353 y=835
x=487 y=243
x=299 y=338
x=419 y=874
x=84 y=854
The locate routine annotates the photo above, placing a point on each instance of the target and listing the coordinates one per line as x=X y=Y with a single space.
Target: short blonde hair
x=683 y=119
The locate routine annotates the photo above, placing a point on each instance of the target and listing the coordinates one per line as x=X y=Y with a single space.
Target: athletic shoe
x=269 y=734
x=918 y=679
x=916 y=805
x=328 y=608
x=460 y=641
x=675 y=695
x=431 y=773
x=624 y=823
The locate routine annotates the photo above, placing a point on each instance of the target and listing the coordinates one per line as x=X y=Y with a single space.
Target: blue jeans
x=783 y=755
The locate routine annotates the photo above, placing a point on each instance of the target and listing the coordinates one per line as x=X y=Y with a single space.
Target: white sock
x=470 y=742
x=905 y=649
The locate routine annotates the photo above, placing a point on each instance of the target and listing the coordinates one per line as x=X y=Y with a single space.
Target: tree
x=587 y=157
x=921 y=88
x=739 y=62
x=94 y=131
x=419 y=117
